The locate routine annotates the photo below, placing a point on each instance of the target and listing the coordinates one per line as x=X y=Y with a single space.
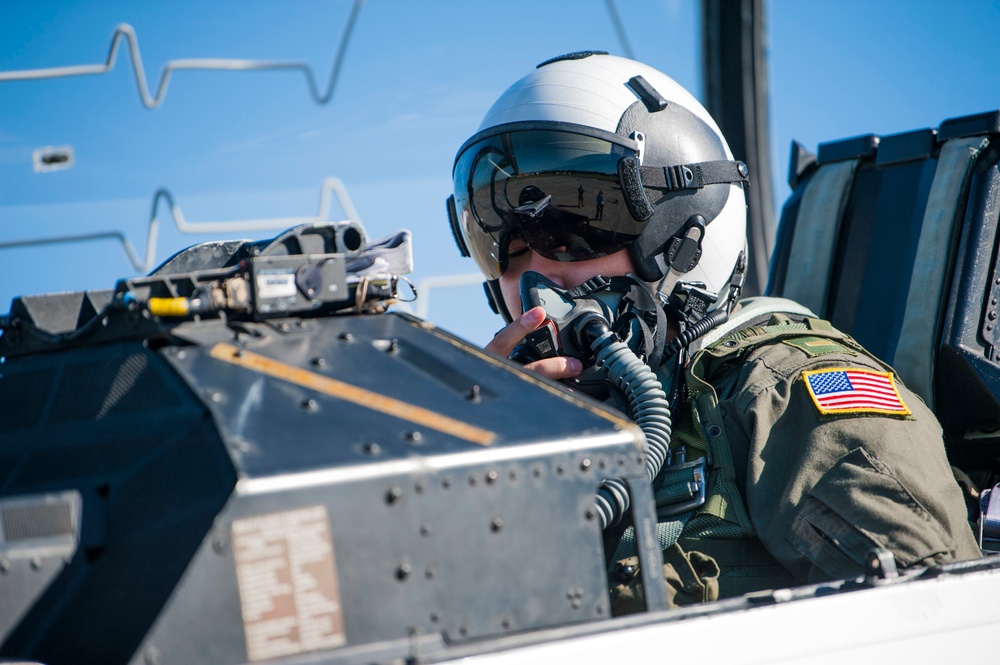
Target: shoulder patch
x=818 y=346
x=843 y=391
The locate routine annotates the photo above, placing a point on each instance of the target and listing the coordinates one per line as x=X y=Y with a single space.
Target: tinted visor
x=558 y=191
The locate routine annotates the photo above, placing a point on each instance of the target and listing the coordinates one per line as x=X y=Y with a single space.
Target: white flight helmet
x=590 y=154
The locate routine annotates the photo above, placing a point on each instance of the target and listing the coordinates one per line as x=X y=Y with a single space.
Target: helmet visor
x=557 y=191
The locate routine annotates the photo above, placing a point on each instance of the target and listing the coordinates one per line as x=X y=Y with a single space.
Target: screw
x=345 y=337
x=713 y=431
x=151 y=656
x=496 y=524
x=730 y=343
x=992 y=315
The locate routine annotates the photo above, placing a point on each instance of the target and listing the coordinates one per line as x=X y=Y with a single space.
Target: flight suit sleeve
x=822 y=490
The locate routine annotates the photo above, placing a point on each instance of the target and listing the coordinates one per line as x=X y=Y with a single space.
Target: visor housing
x=558 y=190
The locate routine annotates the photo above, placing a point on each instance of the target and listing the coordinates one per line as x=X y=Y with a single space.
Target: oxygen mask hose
x=648 y=406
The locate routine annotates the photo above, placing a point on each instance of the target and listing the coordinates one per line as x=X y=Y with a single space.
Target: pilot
x=815 y=453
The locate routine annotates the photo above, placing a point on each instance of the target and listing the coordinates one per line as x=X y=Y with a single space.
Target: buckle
x=682 y=488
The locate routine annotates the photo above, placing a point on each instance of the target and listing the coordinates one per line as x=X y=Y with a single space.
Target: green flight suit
x=800 y=496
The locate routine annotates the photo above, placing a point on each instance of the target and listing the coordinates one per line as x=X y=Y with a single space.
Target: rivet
x=473 y=395
x=463 y=629
x=345 y=337
x=506 y=622
x=512 y=475
x=403 y=571
x=219 y=544
x=372 y=448
x=491 y=477
x=425 y=530
x=418 y=488
x=36 y=563
x=318 y=362
x=472 y=480
x=283 y=327
x=590 y=514
x=309 y=405
x=414 y=436
x=446 y=484
x=430 y=573
x=585 y=465
x=434 y=617
x=4 y=566
x=393 y=494
x=393 y=345
x=560 y=470
x=496 y=524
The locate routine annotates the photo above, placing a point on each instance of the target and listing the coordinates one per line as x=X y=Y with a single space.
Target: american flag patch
x=842 y=391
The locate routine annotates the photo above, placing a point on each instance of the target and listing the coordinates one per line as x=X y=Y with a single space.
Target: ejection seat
x=894 y=239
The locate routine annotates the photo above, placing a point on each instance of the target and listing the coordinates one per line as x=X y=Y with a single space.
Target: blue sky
x=415 y=82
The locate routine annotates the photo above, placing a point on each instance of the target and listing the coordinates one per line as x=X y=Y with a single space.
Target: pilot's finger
x=508 y=338
x=559 y=367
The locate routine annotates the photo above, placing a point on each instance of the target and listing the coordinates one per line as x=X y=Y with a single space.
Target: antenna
x=127 y=32
x=330 y=185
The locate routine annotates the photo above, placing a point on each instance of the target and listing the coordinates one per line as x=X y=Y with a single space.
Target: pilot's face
x=567 y=275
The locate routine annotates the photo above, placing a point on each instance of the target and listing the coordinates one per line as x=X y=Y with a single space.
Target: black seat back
x=894 y=240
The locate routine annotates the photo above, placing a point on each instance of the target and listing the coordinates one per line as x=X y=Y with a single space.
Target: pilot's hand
x=556 y=368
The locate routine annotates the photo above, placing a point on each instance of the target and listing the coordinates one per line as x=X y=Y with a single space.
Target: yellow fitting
x=168 y=306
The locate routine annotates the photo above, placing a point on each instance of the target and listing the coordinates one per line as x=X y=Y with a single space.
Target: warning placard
x=286 y=571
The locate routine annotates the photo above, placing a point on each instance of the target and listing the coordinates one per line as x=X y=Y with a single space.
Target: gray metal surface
x=441 y=534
